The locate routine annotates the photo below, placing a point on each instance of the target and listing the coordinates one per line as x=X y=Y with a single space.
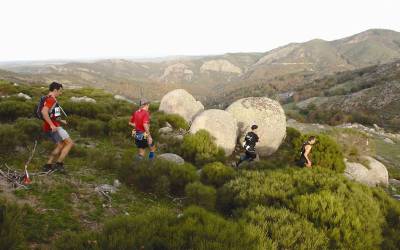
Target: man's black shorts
x=141 y=141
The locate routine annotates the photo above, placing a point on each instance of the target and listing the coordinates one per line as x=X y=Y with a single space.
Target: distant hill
x=209 y=77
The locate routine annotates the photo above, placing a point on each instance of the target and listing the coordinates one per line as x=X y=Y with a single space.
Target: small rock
x=178 y=137
x=165 y=130
x=106 y=188
x=117 y=184
x=387 y=140
x=82 y=99
x=394 y=182
x=25 y=96
x=397 y=197
x=122 y=98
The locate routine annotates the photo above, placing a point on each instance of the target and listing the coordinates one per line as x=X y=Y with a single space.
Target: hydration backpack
x=39 y=107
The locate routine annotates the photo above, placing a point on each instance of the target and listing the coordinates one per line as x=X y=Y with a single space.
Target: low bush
x=91 y=128
x=200 y=148
x=29 y=129
x=287 y=229
x=325 y=153
x=84 y=109
x=159 y=176
x=201 y=195
x=217 y=174
x=160 y=228
x=8 y=138
x=348 y=213
x=11 y=230
x=11 y=110
x=119 y=126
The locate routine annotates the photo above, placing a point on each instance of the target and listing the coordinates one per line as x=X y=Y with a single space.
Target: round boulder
x=172 y=158
x=375 y=174
x=267 y=114
x=221 y=125
x=180 y=102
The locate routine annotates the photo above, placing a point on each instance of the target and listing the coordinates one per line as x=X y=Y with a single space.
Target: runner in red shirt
x=51 y=113
x=140 y=120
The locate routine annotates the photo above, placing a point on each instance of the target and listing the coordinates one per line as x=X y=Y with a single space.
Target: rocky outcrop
x=82 y=99
x=267 y=114
x=375 y=174
x=178 y=71
x=221 y=125
x=220 y=65
x=172 y=158
x=180 y=102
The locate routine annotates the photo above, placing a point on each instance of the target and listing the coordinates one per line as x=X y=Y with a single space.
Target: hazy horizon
x=47 y=30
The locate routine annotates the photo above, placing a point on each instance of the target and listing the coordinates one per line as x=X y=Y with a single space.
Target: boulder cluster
x=229 y=126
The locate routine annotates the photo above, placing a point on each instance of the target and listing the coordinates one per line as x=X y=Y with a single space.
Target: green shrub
x=201 y=195
x=8 y=141
x=11 y=110
x=159 y=228
x=91 y=128
x=217 y=174
x=200 y=148
x=105 y=160
x=77 y=241
x=325 y=153
x=347 y=212
x=11 y=231
x=175 y=120
x=149 y=175
x=287 y=229
x=30 y=129
x=84 y=109
x=119 y=126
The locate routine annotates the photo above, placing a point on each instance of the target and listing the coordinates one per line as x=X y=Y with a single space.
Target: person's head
x=56 y=88
x=254 y=127
x=144 y=104
x=312 y=140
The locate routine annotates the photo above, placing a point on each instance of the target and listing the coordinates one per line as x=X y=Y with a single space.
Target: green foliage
x=160 y=228
x=11 y=231
x=287 y=229
x=200 y=148
x=325 y=153
x=29 y=129
x=84 y=109
x=75 y=241
x=159 y=176
x=91 y=128
x=11 y=110
x=201 y=195
x=104 y=160
x=217 y=174
x=175 y=120
x=8 y=138
x=346 y=212
x=119 y=126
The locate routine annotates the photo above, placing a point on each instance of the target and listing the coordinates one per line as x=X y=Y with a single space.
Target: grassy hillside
x=203 y=204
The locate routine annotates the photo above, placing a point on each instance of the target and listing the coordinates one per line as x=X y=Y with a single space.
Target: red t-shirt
x=139 y=118
x=50 y=102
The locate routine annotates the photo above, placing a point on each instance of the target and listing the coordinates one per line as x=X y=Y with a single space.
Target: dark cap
x=143 y=101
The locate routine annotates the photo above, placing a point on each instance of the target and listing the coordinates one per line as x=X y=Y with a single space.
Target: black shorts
x=251 y=155
x=302 y=162
x=141 y=141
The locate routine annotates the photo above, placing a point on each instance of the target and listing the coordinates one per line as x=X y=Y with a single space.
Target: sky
x=87 y=29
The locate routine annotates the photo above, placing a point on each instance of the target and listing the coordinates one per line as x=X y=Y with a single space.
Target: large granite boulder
x=172 y=158
x=221 y=125
x=267 y=114
x=375 y=174
x=180 y=102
